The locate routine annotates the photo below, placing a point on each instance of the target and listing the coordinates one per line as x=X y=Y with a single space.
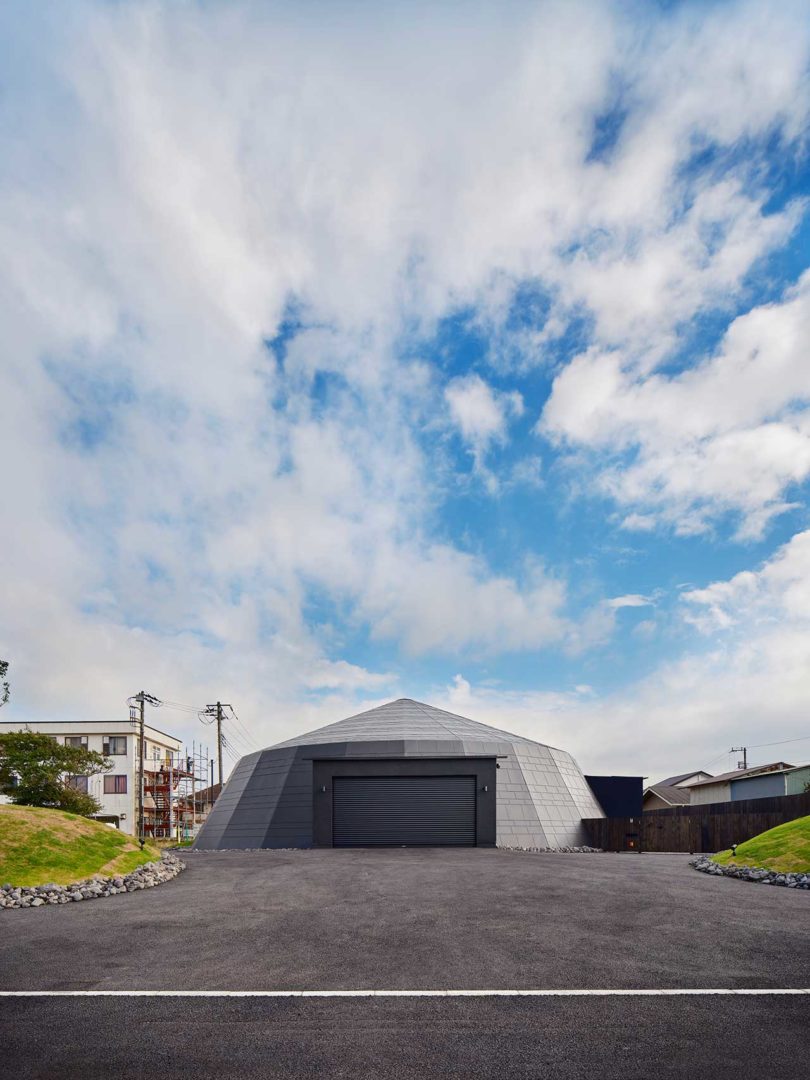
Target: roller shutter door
x=394 y=810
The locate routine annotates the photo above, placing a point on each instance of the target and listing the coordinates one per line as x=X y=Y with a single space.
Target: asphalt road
x=407 y=919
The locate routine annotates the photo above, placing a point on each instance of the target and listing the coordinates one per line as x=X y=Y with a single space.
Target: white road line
x=765 y=992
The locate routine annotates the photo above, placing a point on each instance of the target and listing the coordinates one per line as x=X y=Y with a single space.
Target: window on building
x=115 y=745
x=115 y=785
x=78 y=782
x=76 y=740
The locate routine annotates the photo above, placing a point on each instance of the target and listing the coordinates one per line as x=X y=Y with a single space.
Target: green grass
x=785 y=848
x=39 y=846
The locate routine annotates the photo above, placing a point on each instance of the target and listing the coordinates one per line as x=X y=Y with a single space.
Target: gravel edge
x=498 y=847
x=756 y=874
x=144 y=877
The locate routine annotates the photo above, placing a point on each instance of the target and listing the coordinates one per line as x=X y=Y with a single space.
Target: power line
x=240 y=726
x=758 y=746
x=179 y=706
x=236 y=735
x=781 y=742
x=228 y=750
x=714 y=760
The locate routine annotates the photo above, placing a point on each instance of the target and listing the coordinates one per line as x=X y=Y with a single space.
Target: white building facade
x=117 y=789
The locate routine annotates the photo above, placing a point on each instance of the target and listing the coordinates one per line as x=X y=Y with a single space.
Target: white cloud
x=731 y=434
x=442 y=600
x=630 y=600
x=776 y=594
x=480 y=412
x=481 y=415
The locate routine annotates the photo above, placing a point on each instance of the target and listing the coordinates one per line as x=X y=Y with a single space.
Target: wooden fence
x=709 y=828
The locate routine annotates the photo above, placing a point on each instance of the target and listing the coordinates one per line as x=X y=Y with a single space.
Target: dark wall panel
x=619 y=796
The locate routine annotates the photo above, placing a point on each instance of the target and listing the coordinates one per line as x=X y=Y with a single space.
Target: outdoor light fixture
x=323 y=788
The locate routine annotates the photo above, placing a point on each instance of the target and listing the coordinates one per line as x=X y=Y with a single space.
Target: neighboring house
x=663 y=796
x=194 y=807
x=755 y=783
x=117 y=789
x=674 y=791
x=686 y=779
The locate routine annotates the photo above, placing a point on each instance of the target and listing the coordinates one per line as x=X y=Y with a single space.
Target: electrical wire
x=240 y=726
x=178 y=706
x=781 y=742
x=715 y=760
x=240 y=743
x=243 y=739
x=230 y=751
x=758 y=746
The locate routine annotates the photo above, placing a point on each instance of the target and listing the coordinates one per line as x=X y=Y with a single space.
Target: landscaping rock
x=145 y=877
x=278 y=851
x=557 y=850
x=758 y=874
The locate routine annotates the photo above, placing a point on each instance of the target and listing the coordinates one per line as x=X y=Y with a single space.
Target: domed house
x=402 y=774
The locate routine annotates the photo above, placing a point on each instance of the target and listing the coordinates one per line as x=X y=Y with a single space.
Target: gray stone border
x=583 y=850
x=144 y=877
x=396 y=847
x=751 y=873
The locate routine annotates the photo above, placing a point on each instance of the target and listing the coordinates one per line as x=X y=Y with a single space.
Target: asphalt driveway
x=411 y=919
x=405 y=919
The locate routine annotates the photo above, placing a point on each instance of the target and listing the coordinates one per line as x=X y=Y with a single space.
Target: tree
x=5 y=691
x=36 y=770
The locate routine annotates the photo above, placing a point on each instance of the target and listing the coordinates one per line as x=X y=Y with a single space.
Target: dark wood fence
x=709 y=828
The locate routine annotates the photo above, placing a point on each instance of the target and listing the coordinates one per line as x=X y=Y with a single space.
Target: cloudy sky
x=455 y=351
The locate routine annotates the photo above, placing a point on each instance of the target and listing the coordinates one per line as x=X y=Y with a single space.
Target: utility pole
x=219 y=739
x=741 y=750
x=142 y=700
x=171 y=801
x=216 y=710
x=193 y=786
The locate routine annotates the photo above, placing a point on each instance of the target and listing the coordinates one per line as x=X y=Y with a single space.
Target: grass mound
x=39 y=846
x=785 y=848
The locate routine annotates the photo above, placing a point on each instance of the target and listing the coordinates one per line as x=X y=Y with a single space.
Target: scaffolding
x=172 y=807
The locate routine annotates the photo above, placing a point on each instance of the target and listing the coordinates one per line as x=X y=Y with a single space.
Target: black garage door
x=395 y=810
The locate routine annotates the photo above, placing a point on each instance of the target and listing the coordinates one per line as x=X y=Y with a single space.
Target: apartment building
x=117 y=789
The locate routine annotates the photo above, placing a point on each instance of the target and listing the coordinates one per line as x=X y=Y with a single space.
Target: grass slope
x=39 y=846
x=785 y=848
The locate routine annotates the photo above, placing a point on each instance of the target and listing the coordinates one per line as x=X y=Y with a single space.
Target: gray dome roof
x=403 y=719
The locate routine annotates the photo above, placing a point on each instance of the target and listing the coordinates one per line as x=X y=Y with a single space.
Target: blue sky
x=450 y=352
